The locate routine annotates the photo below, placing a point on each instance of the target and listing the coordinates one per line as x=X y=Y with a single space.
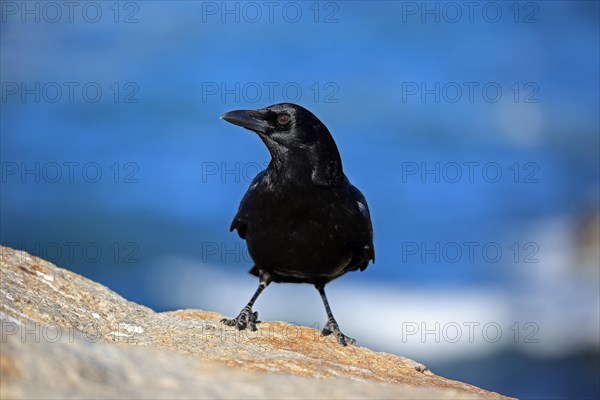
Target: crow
x=302 y=219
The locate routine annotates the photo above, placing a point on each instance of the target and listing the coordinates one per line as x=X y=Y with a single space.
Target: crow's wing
x=365 y=251
x=240 y=221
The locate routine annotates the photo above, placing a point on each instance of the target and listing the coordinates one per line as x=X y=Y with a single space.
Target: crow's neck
x=317 y=165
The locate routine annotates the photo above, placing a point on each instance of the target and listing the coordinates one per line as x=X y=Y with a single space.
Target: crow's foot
x=331 y=327
x=246 y=319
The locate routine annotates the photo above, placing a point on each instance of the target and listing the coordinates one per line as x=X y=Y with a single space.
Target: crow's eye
x=283 y=119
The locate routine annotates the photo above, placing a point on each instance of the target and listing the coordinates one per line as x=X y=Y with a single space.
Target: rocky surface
x=64 y=336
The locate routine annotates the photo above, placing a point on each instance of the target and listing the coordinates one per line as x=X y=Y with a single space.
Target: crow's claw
x=246 y=319
x=331 y=327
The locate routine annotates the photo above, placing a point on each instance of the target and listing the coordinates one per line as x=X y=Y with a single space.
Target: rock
x=64 y=336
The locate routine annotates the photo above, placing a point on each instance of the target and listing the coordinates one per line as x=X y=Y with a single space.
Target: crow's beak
x=248 y=119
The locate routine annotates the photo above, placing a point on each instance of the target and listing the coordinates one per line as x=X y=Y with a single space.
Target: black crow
x=302 y=219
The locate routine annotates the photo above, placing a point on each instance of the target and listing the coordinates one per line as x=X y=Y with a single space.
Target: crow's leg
x=247 y=318
x=332 y=326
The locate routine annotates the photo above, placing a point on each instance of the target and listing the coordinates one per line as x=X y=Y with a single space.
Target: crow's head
x=296 y=139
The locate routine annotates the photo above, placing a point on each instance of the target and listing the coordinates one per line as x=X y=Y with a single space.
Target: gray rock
x=64 y=336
